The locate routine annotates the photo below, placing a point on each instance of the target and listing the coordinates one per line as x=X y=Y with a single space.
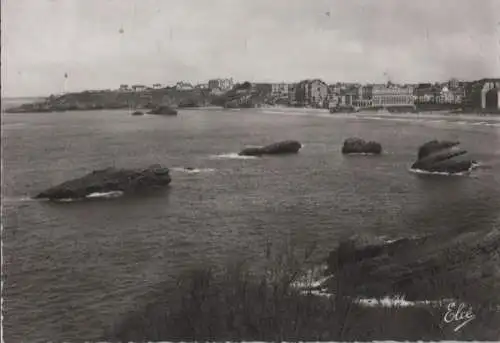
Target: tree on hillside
x=244 y=85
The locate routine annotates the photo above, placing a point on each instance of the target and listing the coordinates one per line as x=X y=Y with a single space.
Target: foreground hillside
x=436 y=271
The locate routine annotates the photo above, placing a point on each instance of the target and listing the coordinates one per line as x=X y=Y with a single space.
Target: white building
x=383 y=95
x=221 y=84
x=139 y=88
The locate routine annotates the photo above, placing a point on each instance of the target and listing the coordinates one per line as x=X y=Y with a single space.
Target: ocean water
x=73 y=269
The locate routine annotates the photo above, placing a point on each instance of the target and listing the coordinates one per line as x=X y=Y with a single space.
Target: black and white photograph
x=250 y=170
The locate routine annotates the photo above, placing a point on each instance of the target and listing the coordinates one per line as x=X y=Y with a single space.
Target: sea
x=72 y=270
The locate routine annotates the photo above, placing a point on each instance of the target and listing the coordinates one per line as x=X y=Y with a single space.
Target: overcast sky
x=103 y=43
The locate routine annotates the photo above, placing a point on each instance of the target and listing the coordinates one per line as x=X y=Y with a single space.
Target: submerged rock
x=163 y=110
x=109 y=180
x=356 y=145
x=442 y=157
x=284 y=147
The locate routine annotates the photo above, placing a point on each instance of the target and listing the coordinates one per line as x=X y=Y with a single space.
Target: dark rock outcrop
x=164 y=110
x=450 y=265
x=284 y=147
x=442 y=156
x=110 y=180
x=359 y=146
x=138 y=113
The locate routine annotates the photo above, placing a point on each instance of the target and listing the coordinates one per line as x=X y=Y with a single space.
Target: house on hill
x=139 y=88
x=183 y=86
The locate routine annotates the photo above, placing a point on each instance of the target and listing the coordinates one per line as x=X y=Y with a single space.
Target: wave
x=438 y=116
x=313 y=283
x=95 y=195
x=105 y=195
x=464 y=173
x=395 y=301
x=64 y=200
x=399 y=301
x=233 y=155
x=193 y=170
x=411 y=118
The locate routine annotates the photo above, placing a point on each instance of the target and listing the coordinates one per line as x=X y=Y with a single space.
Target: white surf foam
x=310 y=283
x=398 y=301
x=424 y=172
x=105 y=195
x=395 y=301
x=194 y=170
x=66 y=200
x=313 y=283
x=232 y=155
x=437 y=118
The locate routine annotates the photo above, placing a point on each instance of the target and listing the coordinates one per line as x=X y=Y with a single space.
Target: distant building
x=450 y=96
x=348 y=96
x=262 y=88
x=453 y=83
x=391 y=95
x=221 y=84
x=201 y=86
x=139 y=88
x=365 y=92
x=183 y=86
x=492 y=99
x=334 y=89
x=333 y=100
x=489 y=85
x=124 y=88
x=312 y=93
x=426 y=93
x=292 y=91
x=279 y=89
x=157 y=86
x=476 y=96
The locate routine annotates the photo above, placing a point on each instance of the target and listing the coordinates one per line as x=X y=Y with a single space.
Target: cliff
x=243 y=96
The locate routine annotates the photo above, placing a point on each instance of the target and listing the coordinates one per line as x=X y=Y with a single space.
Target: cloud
x=103 y=43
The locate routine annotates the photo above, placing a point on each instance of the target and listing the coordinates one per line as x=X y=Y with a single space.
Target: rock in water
x=284 y=147
x=109 y=180
x=359 y=146
x=441 y=156
x=137 y=113
x=164 y=110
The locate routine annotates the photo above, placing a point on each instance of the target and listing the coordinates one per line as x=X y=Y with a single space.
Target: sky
x=100 y=44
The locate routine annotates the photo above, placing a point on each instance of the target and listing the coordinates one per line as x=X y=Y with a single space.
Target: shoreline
x=36 y=108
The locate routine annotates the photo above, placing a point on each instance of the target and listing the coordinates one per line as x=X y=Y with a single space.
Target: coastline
x=203 y=99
